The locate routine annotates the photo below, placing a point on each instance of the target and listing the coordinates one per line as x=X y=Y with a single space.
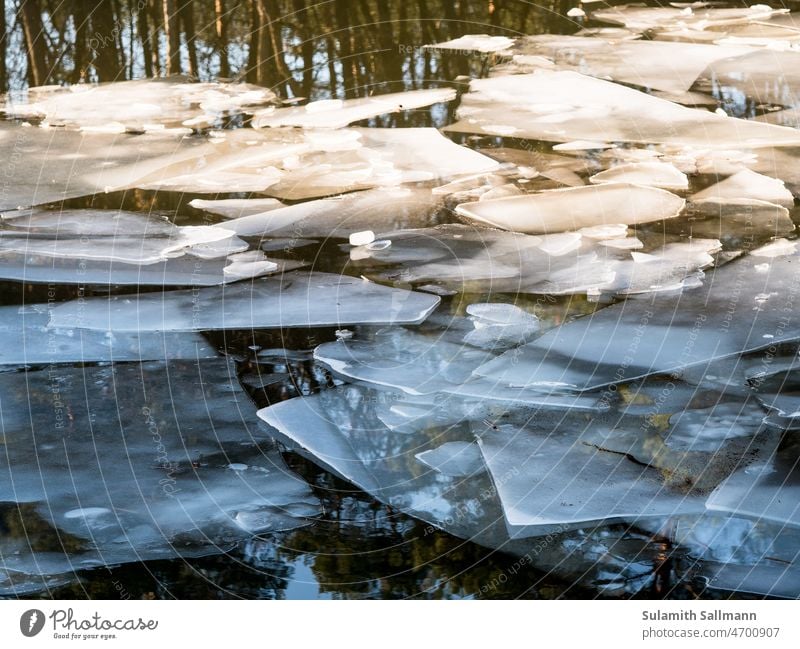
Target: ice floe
x=563 y=106
x=337 y=113
x=141 y=105
x=664 y=333
x=570 y=209
x=297 y=299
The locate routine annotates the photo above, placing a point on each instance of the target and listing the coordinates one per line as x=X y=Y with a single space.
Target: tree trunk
x=173 y=37
x=30 y=12
x=104 y=42
x=3 y=47
x=221 y=28
x=81 y=58
x=186 y=14
x=156 y=18
x=143 y=30
x=252 y=51
x=272 y=67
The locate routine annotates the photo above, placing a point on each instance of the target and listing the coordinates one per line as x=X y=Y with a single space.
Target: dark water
x=359 y=548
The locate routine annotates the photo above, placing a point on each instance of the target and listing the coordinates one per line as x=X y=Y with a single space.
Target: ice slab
x=558 y=210
x=296 y=164
x=141 y=105
x=747 y=184
x=651 y=174
x=698 y=17
x=740 y=224
x=464 y=258
x=736 y=310
x=48 y=165
x=475 y=43
x=187 y=270
x=659 y=65
x=766 y=76
x=234 y=208
x=436 y=363
x=29 y=341
x=158 y=479
x=107 y=235
x=296 y=299
x=338 y=113
x=339 y=429
x=341 y=216
x=768 y=489
x=562 y=106
x=544 y=476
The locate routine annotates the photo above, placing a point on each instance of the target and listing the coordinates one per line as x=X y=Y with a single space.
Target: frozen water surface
x=598 y=375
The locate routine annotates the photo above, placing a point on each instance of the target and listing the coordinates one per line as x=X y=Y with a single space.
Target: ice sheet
x=297 y=299
x=563 y=106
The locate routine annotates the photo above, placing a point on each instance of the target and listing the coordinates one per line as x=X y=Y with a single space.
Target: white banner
x=358 y=624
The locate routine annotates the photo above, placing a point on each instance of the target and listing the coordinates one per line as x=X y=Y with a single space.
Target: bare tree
x=3 y=47
x=221 y=29
x=30 y=12
x=172 y=32
x=186 y=15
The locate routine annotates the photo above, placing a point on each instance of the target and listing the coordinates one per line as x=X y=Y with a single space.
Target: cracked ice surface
x=662 y=334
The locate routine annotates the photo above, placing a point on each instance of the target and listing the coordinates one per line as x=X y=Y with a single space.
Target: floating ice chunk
x=125 y=236
x=476 y=43
x=499 y=325
x=248 y=265
x=97 y=223
x=291 y=300
x=233 y=208
x=502 y=191
x=748 y=184
x=766 y=489
x=740 y=224
x=185 y=270
x=582 y=145
x=339 y=429
x=28 y=341
x=570 y=209
x=636 y=62
x=141 y=105
x=362 y=238
x=502 y=314
x=454 y=459
x=778 y=248
x=659 y=334
x=563 y=106
x=338 y=113
x=545 y=477
x=341 y=216
x=604 y=232
x=642 y=18
x=402 y=360
x=53 y=165
x=628 y=243
x=651 y=174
